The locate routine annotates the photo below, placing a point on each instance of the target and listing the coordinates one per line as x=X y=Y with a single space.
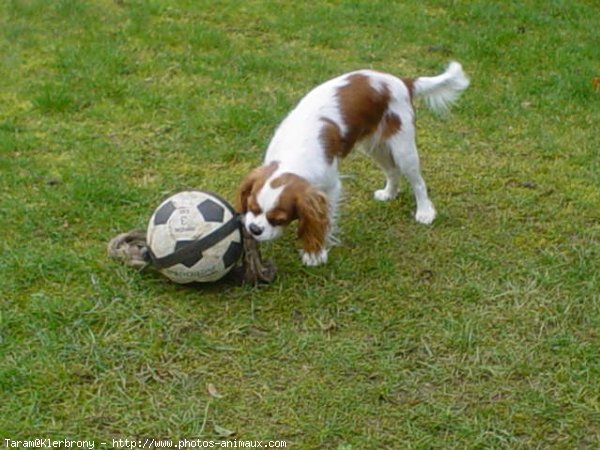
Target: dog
x=299 y=177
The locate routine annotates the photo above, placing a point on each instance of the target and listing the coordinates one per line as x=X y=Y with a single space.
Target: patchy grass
x=478 y=332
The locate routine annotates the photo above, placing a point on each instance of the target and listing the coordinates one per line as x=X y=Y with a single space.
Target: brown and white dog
x=299 y=178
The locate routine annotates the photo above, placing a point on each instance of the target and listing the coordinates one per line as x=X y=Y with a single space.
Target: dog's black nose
x=255 y=229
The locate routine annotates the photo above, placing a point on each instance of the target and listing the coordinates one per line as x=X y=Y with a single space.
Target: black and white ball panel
x=211 y=211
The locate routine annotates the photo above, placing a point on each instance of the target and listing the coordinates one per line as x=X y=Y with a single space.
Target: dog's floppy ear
x=312 y=209
x=241 y=201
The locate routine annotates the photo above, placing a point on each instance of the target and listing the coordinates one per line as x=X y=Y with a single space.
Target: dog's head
x=270 y=200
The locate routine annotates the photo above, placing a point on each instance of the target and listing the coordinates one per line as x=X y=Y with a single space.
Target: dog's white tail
x=441 y=91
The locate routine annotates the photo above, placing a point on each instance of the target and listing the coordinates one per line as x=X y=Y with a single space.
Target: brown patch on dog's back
x=362 y=107
x=332 y=140
x=410 y=85
x=391 y=125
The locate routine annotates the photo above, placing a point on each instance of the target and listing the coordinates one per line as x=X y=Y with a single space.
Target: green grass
x=479 y=332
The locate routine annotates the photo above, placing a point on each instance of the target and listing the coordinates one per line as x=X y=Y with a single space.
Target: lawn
x=481 y=331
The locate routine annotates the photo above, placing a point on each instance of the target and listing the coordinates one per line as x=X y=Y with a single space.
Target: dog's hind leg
x=403 y=150
x=382 y=155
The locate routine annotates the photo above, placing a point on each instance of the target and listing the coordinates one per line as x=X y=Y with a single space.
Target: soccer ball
x=194 y=236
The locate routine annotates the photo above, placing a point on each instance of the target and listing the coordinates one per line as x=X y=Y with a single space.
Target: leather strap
x=196 y=247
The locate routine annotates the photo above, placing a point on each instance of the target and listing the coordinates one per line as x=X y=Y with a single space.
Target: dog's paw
x=384 y=195
x=425 y=214
x=313 y=259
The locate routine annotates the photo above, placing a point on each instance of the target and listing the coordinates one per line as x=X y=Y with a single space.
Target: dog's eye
x=277 y=218
x=253 y=207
